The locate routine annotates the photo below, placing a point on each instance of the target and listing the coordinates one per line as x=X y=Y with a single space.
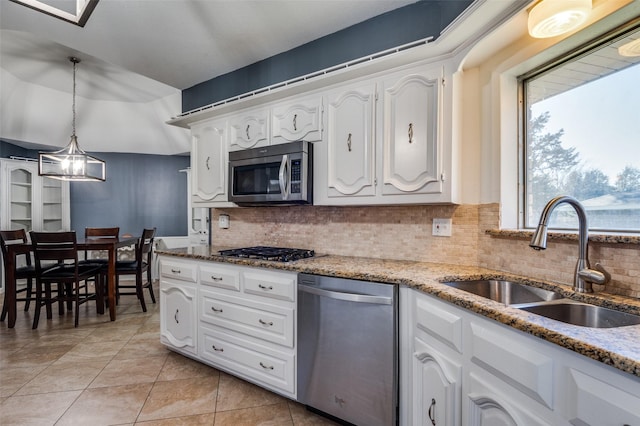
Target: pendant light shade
x=71 y=163
x=550 y=18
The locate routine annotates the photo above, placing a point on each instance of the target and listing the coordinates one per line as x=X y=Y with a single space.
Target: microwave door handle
x=283 y=176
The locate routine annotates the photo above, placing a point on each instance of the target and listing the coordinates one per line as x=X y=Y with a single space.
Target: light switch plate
x=223 y=221
x=441 y=227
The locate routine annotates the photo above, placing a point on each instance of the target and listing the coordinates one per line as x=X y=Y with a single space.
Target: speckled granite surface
x=566 y=236
x=618 y=347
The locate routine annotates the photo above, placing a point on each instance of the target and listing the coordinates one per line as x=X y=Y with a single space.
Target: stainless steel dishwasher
x=347 y=349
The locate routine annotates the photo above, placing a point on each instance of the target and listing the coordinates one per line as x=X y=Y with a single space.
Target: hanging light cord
x=73 y=104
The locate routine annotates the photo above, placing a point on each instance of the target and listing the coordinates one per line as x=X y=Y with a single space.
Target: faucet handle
x=599 y=275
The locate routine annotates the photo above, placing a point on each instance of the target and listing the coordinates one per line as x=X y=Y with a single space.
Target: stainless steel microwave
x=275 y=174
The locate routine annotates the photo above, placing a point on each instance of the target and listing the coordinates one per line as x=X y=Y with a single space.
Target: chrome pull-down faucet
x=584 y=276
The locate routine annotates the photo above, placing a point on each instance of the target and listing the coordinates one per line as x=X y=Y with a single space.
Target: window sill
x=566 y=236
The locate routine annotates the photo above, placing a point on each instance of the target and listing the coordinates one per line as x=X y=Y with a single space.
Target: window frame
x=583 y=49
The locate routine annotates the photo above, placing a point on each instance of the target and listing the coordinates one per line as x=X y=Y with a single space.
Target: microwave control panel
x=296 y=170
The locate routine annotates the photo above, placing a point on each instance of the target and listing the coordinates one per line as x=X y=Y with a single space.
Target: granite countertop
x=618 y=347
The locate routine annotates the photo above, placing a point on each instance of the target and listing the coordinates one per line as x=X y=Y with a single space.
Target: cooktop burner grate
x=278 y=254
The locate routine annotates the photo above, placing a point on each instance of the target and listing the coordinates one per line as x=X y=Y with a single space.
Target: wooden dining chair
x=26 y=271
x=67 y=274
x=140 y=268
x=102 y=233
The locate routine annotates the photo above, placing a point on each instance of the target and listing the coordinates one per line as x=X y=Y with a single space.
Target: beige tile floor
x=118 y=373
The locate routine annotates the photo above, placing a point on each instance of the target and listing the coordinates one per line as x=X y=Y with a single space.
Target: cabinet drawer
x=514 y=361
x=179 y=271
x=435 y=319
x=273 y=285
x=270 y=367
x=264 y=321
x=220 y=276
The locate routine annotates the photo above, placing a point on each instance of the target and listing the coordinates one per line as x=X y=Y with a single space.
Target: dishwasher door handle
x=349 y=297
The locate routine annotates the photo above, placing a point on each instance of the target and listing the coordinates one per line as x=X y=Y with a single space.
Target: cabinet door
x=411 y=144
x=350 y=142
x=178 y=320
x=19 y=187
x=209 y=162
x=436 y=388
x=249 y=130
x=297 y=120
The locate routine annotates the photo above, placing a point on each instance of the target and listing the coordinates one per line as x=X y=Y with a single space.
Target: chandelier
x=71 y=163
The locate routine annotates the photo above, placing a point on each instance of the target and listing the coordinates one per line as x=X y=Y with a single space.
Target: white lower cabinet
x=242 y=318
x=460 y=368
x=178 y=318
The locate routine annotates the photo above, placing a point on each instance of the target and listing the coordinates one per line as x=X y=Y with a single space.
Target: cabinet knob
x=410 y=132
x=349 y=142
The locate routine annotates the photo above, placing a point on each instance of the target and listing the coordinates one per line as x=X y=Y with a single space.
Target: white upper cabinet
x=386 y=142
x=300 y=119
x=411 y=155
x=209 y=163
x=249 y=129
x=350 y=142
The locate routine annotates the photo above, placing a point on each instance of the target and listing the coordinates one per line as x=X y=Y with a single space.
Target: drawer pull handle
x=217 y=349
x=175 y=317
x=295 y=122
x=270 y=323
x=216 y=310
x=349 y=142
x=432 y=412
x=264 y=287
x=175 y=271
x=266 y=367
x=410 y=132
x=216 y=278
x=247 y=131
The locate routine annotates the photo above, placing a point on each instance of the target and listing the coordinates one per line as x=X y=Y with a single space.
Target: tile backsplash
x=405 y=232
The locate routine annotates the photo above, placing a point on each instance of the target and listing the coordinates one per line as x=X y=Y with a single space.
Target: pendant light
x=71 y=163
x=550 y=18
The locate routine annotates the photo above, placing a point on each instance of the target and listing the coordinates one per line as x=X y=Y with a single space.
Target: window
x=581 y=128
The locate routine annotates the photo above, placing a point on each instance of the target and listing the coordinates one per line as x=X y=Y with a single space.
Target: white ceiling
x=137 y=55
x=178 y=43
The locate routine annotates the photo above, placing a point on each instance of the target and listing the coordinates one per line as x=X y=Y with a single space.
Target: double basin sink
x=546 y=303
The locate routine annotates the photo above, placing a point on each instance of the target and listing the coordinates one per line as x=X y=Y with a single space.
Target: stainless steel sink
x=507 y=292
x=583 y=314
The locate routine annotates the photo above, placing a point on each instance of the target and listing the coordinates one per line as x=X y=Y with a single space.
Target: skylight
x=74 y=11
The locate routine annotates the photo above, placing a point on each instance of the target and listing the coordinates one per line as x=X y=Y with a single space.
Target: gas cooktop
x=278 y=254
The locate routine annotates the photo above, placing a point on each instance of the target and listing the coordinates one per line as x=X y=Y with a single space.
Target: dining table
x=110 y=245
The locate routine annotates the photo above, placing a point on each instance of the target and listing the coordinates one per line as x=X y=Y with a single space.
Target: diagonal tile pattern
x=118 y=373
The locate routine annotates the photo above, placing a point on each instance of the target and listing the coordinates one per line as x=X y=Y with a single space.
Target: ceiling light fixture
x=550 y=18
x=630 y=49
x=71 y=163
x=79 y=17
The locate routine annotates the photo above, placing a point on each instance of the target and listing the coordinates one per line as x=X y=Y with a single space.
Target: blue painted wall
x=140 y=191
x=395 y=28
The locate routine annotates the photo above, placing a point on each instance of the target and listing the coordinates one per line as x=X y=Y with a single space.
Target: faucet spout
x=584 y=276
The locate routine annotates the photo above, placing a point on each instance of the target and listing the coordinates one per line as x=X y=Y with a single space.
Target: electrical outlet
x=441 y=227
x=223 y=221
